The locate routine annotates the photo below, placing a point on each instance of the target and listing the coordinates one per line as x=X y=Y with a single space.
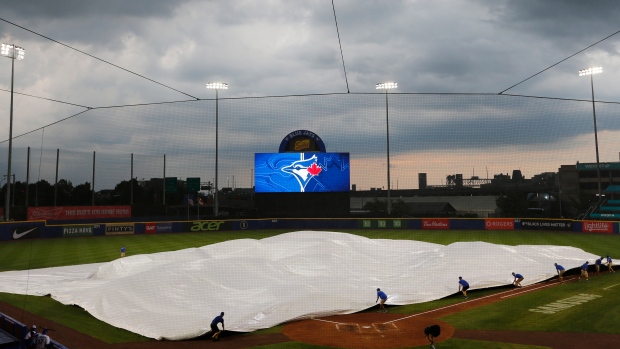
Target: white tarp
x=262 y=283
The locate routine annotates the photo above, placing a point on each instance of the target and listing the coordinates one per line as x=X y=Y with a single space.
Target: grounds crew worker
x=216 y=331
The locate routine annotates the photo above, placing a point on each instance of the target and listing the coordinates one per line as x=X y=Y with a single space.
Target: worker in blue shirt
x=123 y=250
x=584 y=271
x=214 y=329
x=560 y=269
x=517 y=280
x=383 y=297
x=463 y=287
x=597 y=266
x=610 y=265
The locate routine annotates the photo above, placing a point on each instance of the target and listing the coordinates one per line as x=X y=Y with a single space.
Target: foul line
x=528 y=290
x=473 y=300
x=379 y=330
x=333 y=322
x=611 y=286
x=446 y=307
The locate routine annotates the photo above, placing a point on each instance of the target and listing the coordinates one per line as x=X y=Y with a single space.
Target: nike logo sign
x=17 y=236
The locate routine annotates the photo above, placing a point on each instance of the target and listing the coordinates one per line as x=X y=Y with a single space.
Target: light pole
x=387 y=86
x=13 y=52
x=216 y=86
x=592 y=71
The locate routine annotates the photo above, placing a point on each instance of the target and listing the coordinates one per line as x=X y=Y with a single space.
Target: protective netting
x=438 y=134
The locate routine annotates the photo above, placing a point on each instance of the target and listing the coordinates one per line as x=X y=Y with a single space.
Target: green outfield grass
x=43 y=253
x=512 y=314
x=594 y=316
x=72 y=317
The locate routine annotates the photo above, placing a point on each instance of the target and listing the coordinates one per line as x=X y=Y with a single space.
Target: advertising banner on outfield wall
x=77 y=212
x=162 y=227
x=150 y=228
x=597 y=227
x=436 y=224
x=499 y=224
x=21 y=231
x=204 y=226
x=119 y=228
x=78 y=230
x=545 y=224
x=167 y=227
x=380 y=223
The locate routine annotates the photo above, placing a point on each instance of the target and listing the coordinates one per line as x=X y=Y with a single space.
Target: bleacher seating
x=609 y=209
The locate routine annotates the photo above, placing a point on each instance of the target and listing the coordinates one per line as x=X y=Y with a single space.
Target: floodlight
x=12 y=51
x=591 y=71
x=386 y=86
x=217 y=85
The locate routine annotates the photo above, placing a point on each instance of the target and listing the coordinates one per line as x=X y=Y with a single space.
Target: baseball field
x=545 y=315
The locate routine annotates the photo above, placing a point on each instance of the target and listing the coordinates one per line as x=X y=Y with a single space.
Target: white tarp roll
x=263 y=283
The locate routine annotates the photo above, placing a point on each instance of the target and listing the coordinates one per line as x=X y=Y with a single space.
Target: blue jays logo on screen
x=301 y=172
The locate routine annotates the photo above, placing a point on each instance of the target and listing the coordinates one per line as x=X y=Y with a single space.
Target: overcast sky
x=280 y=48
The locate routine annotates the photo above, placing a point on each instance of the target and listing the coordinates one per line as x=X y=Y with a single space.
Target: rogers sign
x=597 y=227
x=499 y=224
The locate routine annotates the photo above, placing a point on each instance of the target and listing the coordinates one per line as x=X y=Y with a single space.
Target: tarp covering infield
x=262 y=283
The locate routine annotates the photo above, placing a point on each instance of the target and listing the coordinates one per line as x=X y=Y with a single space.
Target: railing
x=591 y=209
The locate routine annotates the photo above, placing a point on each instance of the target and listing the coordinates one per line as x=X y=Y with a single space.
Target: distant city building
x=517 y=176
x=582 y=179
x=422 y=184
x=568 y=182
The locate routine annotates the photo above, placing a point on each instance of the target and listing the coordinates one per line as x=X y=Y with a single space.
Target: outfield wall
x=40 y=229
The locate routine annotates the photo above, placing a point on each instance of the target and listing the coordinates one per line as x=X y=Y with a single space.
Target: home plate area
x=366 y=330
x=379 y=327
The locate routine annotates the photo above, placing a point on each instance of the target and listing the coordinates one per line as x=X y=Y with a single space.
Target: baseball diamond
x=402 y=326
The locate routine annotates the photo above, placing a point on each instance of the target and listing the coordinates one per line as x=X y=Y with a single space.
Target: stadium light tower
x=592 y=71
x=13 y=52
x=387 y=86
x=216 y=86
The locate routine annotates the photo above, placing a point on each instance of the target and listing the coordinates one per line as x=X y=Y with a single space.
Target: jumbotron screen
x=301 y=172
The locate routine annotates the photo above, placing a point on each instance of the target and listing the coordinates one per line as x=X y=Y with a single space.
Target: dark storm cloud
x=58 y=10
x=572 y=19
x=85 y=22
x=291 y=48
x=563 y=26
